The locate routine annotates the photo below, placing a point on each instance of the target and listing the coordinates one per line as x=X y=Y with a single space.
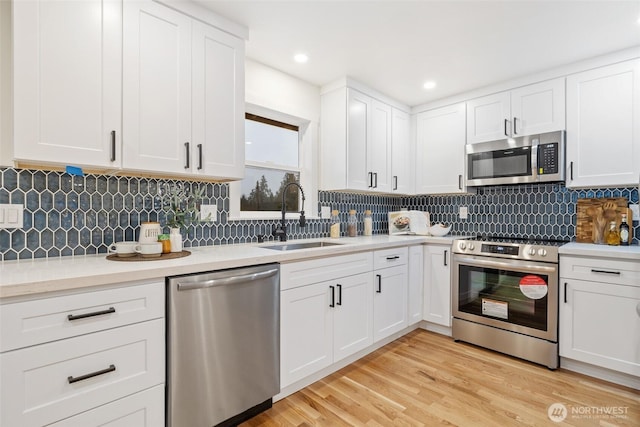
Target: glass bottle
x=624 y=231
x=368 y=223
x=334 y=230
x=613 y=238
x=352 y=224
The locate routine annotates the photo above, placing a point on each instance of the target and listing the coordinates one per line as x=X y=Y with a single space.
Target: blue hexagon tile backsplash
x=74 y=215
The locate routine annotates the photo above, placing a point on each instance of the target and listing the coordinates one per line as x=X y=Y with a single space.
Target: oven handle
x=505 y=265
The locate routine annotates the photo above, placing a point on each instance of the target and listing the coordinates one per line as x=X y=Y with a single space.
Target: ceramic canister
x=149 y=232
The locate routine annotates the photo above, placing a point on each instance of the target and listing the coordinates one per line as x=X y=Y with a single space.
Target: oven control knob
x=471 y=247
x=532 y=251
x=542 y=252
x=462 y=245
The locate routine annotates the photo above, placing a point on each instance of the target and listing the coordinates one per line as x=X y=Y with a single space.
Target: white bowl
x=439 y=230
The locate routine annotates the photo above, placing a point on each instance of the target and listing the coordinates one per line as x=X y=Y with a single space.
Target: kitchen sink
x=296 y=246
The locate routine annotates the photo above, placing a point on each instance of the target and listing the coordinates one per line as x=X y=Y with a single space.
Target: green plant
x=183 y=206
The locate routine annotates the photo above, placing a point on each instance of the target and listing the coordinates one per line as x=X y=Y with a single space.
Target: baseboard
x=600 y=373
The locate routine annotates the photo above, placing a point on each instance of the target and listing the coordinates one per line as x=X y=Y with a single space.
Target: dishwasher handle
x=232 y=280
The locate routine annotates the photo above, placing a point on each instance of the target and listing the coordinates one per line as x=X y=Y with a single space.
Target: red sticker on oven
x=533 y=287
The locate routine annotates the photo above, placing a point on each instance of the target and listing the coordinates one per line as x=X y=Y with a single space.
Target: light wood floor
x=426 y=379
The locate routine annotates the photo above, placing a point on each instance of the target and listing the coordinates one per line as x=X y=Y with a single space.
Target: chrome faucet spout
x=281 y=231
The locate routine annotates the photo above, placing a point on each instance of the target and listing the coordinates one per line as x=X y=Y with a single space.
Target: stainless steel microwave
x=525 y=159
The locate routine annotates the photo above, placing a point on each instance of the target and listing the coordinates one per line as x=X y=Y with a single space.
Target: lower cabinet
x=322 y=323
x=437 y=284
x=416 y=263
x=389 y=301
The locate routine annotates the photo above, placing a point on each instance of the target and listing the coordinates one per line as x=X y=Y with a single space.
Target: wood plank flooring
x=426 y=379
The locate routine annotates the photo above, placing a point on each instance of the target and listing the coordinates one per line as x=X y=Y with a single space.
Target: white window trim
x=307 y=161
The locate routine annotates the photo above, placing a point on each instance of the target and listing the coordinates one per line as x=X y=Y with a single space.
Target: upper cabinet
x=603 y=126
x=528 y=110
x=356 y=143
x=133 y=85
x=440 y=140
x=67 y=83
x=402 y=154
x=183 y=95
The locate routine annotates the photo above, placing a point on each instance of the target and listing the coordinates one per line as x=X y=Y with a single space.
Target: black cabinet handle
x=514 y=126
x=375 y=175
x=445 y=257
x=339 y=295
x=188 y=155
x=72 y=379
x=565 y=292
x=505 y=127
x=333 y=296
x=113 y=145
x=370 y=179
x=395 y=182
x=199 y=156
x=605 y=272
x=459 y=182
x=571 y=170
x=73 y=317
x=391 y=258
x=379 y=290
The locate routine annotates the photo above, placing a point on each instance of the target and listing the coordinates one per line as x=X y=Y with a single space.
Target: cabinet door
x=352 y=315
x=538 y=108
x=306 y=332
x=416 y=262
x=488 y=118
x=603 y=126
x=358 y=132
x=379 y=147
x=440 y=150
x=389 y=301
x=156 y=88
x=599 y=324
x=218 y=103
x=437 y=284
x=67 y=82
x=402 y=153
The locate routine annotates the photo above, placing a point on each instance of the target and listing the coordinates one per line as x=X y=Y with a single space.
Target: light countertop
x=605 y=251
x=38 y=276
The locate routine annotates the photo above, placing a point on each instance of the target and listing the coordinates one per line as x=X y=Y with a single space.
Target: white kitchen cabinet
x=603 y=126
x=600 y=312
x=440 y=159
x=69 y=354
x=183 y=94
x=437 y=284
x=67 y=83
x=391 y=291
x=415 y=298
x=356 y=138
x=528 y=110
x=402 y=152
x=326 y=314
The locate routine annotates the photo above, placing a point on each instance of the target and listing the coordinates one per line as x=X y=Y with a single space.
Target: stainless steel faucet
x=281 y=231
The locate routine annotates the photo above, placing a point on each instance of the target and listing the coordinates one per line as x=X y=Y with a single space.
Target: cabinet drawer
x=50 y=382
x=390 y=257
x=34 y=322
x=620 y=272
x=323 y=269
x=144 y=409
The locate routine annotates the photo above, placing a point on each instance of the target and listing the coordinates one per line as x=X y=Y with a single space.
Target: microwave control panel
x=548 y=158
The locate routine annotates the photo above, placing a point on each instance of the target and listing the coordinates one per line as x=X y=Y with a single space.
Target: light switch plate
x=635 y=212
x=325 y=211
x=206 y=210
x=463 y=212
x=11 y=216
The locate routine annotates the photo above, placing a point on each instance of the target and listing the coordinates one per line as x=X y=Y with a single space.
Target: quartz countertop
x=44 y=275
x=589 y=249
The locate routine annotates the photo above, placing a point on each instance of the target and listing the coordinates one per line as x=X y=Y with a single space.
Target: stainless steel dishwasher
x=223 y=345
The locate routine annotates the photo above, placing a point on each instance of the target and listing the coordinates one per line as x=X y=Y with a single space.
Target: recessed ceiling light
x=301 y=58
x=429 y=85
x=248 y=142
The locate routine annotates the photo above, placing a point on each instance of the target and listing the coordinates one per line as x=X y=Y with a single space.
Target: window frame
x=307 y=148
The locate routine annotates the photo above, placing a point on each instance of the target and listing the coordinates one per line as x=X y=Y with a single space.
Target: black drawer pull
x=72 y=317
x=391 y=258
x=379 y=290
x=605 y=272
x=72 y=379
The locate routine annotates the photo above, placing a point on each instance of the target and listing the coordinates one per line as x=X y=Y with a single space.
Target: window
x=271 y=162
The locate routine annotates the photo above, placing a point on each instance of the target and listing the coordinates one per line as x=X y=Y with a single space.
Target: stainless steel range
x=505 y=296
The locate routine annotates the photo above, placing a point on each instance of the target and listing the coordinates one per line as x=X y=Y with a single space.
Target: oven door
x=519 y=296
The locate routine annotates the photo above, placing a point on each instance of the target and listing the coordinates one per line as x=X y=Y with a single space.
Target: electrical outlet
x=325 y=211
x=635 y=212
x=206 y=210
x=463 y=212
x=11 y=216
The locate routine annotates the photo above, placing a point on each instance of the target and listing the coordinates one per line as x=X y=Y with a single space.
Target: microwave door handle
x=534 y=162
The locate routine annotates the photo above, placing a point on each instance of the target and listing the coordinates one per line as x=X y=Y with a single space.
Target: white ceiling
x=395 y=46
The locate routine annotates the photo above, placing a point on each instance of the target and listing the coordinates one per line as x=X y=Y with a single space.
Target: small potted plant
x=183 y=210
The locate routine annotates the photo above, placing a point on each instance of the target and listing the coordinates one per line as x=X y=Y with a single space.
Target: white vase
x=176 y=240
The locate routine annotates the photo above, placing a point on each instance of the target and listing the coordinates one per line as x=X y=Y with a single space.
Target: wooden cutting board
x=592 y=215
